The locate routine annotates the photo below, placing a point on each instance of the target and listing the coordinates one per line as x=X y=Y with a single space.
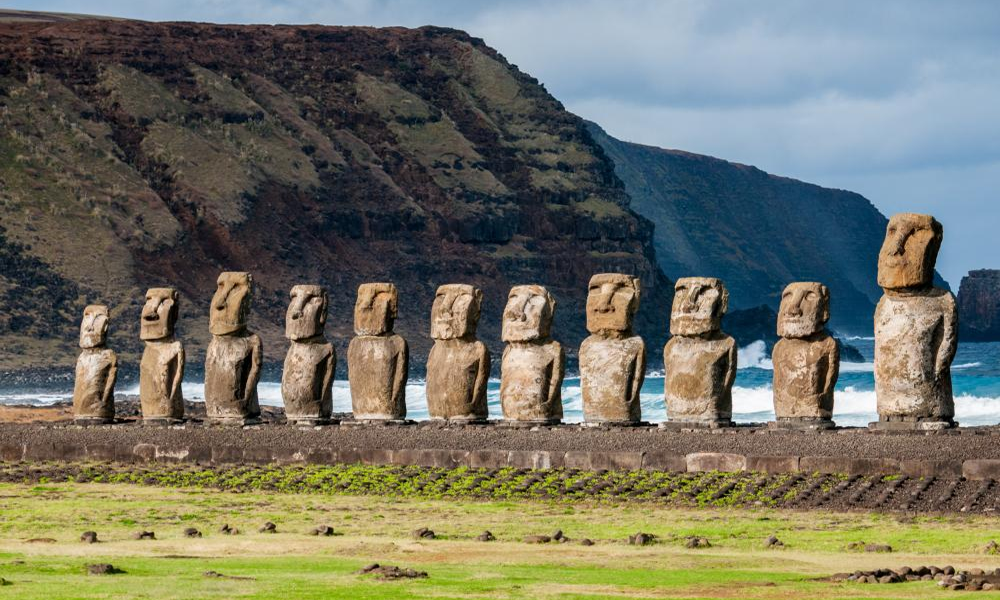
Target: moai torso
x=533 y=363
x=96 y=370
x=307 y=377
x=458 y=366
x=234 y=356
x=915 y=326
x=377 y=359
x=161 y=370
x=806 y=359
x=699 y=360
x=612 y=360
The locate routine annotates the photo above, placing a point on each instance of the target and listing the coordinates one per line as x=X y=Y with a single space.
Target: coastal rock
x=377 y=358
x=162 y=368
x=96 y=369
x=533 y=363
x=233 y=359
x=612 y=360
x=699 y=360
x=806 y=359
x=915 y=328
x=307 y=377
x=979 y=306
x=458 y=366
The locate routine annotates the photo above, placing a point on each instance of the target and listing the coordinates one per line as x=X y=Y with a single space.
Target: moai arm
x=731 y=371
x=331 y=366
x=949 y=335
x=109 y=385
x=175 y=385
x=402 y=371
x=833 y=369
x=482 y=376
x=558 y=372
x=256 y=358
x=639 y=374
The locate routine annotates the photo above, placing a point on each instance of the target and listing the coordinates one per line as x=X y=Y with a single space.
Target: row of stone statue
x=915 y=327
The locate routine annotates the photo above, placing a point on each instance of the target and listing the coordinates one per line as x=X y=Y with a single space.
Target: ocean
x=975 y=379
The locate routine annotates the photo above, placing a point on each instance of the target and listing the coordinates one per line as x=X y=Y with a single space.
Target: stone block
x=431 y=458
x=376 y=456
x=321 y=456
x=488 y=459
x=981 y=469
x=773 y=464
x=100 y=452
x=659 y=460
x=144 y=452
x=848 y=466
x=716 y=461
x=948 y=469
x=347 y=456
x=227 y=455
x=11 y=452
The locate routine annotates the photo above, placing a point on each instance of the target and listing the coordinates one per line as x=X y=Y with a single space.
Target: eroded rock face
x=806 y=358
x=458 y=366
x=612 y=360
x=533 y=363
x=307 y=377
x=161 y=370
x=96 y=369
x=234 y=356
x=915 y=327
x=699 y=359
x=377 y=359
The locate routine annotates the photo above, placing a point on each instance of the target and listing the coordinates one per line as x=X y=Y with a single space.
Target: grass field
x=293 y=564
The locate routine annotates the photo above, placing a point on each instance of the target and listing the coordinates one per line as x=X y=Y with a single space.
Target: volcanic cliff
x=138 y=154
x=979 y=306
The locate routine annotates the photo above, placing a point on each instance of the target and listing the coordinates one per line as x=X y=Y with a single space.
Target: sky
x=898 y=100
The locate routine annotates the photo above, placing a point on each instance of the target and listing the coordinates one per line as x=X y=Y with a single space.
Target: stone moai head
x=805 y=309
x=375 y=310
x=612 y=301
x=455 y=312
x=94 y=327
x=231 y=303
x=159 y=314
x=699 y=303
x=306 y=316
x=528 y=315
x=909 y=251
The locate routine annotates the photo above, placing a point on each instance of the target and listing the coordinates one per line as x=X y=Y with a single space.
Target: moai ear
x=477 y=296
x=322 y=309
x=825 y=294
x=723 y=299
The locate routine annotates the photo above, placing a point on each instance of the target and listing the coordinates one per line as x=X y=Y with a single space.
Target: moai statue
x=377 y=358
x=458 y=366
x=533 y=363
x=916 y=329
x=806 y=359
x=162 y=368
x=307 y=379
x=612 y=360
x=699 y=360
x=96 y=370
x=233 y=359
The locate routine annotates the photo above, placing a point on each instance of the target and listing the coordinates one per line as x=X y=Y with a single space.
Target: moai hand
x=699 y=360
x=806 y=359
x=307 y=378
x=234 y=356
x=458 y=366
x=96 y=370
x=612 y=360
x=162 y=368
x=533 y=363
x=377 y=359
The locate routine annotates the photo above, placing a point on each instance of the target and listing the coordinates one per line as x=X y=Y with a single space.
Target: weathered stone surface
x=161 y=370
x=716 y=461
x=307 y=377
x=233 y=358
x=979 y=306
x=806 y=359
x=848 y=466
x=915 y=327
x=612 y=360
x=458 y=366
x=699 y=359
x=96 y=369
x=533 y=363
x=773 y=464
x=377 y=359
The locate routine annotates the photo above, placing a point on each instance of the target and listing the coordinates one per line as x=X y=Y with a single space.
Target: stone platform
x=972 y=452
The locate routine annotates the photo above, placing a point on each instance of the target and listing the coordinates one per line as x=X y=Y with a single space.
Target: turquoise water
x=975 y=378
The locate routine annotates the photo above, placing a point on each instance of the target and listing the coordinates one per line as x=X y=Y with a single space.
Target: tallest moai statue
x=233 y=359
x=916 y=329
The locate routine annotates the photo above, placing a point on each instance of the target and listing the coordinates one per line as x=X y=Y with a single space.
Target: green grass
x=294 y=564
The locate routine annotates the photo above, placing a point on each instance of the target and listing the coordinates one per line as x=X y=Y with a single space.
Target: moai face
x=375 y=310
x=159 y=314
x=231 y=303
x=611 y=302
x=699 y=303
x=306 y=314
x=909 y=251
x=94 y=327
x=805 y=309
x=455 y=313
x=528 y=315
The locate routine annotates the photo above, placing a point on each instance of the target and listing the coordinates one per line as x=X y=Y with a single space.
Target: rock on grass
x=391 y=572
x=423 y=534
x=103 y=569
x=88 y=537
